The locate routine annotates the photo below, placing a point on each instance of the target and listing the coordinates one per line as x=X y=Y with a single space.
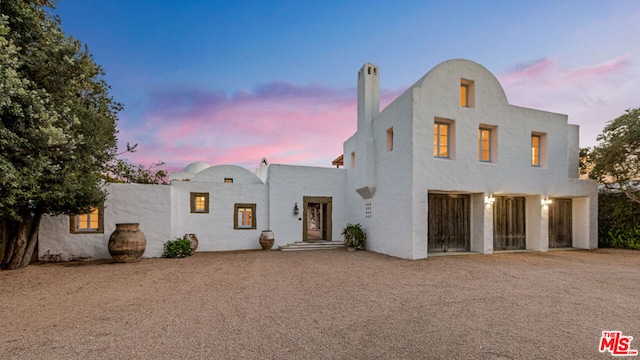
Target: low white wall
x=148 y=205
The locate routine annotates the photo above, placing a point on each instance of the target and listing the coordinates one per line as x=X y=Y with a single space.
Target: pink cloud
x=590 y=94
x=284 y=122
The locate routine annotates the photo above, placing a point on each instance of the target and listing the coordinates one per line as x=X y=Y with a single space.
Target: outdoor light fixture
x=295 y=209
x=546 y=201
x=489 y=200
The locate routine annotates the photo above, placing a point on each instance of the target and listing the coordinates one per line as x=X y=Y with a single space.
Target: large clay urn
x=266 y=239
x=127 y=243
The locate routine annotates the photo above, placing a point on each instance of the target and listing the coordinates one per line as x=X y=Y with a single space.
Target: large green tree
x=616 y=158
x=57 y=124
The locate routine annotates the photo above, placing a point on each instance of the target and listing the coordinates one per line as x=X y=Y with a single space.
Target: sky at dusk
x=230 y=82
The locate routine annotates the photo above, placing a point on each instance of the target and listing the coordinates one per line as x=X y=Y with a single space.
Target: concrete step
x=301 y=245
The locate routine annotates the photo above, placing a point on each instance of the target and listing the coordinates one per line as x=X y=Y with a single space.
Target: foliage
x=57 y=124
x=178 y=248
x=354 y=236
x=122 y=171
x=616 y=158
x=618 y=221
x=586 y=163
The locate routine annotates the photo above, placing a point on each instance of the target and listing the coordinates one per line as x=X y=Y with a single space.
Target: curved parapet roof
x=457 y=69
x=196 y=167
x=219 y=173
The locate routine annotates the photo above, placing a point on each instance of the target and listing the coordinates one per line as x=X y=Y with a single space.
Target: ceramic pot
x=266 y=239
x=127 y=243
x=193 y=239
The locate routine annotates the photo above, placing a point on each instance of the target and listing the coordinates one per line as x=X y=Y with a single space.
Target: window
x=200 y=203
x=228 y=180
x=91 y=222
x=353 y=160
x=440 y=140
x=466 y=93
x=484 y=144
x=535 y=150
x=390 y=139
x=244 y=216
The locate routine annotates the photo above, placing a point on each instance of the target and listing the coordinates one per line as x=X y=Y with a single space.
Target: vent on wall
x=367 y=210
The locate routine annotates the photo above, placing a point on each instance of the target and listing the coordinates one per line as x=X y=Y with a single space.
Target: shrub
x=354 y=236
x=618 y=221
x=178 y=248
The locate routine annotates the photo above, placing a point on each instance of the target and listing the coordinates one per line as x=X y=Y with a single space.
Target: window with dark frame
x=199 y=203
x=91 y=222
x=244 y=216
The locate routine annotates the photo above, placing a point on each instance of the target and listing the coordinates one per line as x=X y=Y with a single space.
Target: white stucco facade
x=393 y=169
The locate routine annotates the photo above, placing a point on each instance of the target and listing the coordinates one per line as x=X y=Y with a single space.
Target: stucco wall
x=289 y=184
x=148 y=205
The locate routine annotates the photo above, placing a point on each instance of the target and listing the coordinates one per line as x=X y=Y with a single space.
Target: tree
x=57 y=125
x=616 y=158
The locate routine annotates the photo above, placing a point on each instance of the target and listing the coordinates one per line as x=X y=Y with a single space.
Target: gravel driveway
x=328 y=304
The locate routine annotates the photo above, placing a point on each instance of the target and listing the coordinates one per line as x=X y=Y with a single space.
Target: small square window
x=228 y=180
x=466 y=93
x=390 y=139
x=199 y=203
x=91 y=222
x=244 y=216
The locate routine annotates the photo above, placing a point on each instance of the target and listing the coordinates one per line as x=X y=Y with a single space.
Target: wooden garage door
x=560 y=226
x=449 y=223
x=509 y=231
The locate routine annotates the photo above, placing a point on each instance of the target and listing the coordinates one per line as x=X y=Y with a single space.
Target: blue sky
x=233 y=81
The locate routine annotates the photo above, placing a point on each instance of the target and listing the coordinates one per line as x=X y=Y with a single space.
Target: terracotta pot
x=193 y=239
x=127 y=243
x=266 y=239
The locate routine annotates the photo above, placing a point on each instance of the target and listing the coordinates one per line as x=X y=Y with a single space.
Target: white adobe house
x=449 y=166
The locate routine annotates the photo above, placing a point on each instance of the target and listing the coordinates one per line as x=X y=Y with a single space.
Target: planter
x=266 y=239
x=127 y=243
x=351 y=248
x=193 y=239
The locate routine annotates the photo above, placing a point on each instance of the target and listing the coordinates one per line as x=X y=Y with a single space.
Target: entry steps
x=316 y=245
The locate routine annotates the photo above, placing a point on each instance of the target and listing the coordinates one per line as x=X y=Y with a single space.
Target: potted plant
x=354 y=236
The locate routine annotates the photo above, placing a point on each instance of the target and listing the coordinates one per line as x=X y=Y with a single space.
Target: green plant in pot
x=177 y=248
x=354 y=236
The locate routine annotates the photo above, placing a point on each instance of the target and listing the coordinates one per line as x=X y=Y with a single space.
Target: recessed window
x=244 y=216
x=390 y=139
x=538 y=150
x=535 y=150
x=91 y=222
x=466 y=93
x=353 y=160
x=484 y=144
x=228 y=180
x=199 y=203
x=441 y=140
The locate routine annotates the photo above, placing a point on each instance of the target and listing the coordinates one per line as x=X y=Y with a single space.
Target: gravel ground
x=329 y=304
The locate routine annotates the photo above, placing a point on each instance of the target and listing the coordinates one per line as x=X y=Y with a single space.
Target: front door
x=560 y=226
x=509 y=223
x=449 y=223
x=317 y=218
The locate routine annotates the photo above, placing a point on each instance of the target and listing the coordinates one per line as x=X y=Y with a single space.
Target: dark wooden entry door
x=560 y=224
x=449 y=223
x=509 y=231
x=317 y=213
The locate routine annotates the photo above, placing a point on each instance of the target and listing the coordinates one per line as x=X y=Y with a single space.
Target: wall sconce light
x=546 y=201
x=296 y=211
x=489 y=200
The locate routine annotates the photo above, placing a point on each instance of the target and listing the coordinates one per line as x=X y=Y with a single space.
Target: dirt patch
x=329 y=304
